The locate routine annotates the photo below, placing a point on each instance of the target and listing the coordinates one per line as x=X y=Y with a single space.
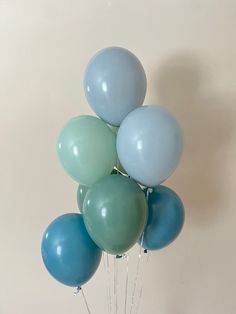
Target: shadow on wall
x=182 y=84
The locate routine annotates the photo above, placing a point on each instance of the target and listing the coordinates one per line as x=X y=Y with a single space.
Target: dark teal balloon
x=68 y=252
x=166 y=218
x=81 y=193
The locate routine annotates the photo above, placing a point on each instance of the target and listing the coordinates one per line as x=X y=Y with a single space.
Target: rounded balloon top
x=115 y=84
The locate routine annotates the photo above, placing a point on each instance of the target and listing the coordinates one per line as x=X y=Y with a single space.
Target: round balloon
x=81 y=193
x=87 y=149
x=115 y=213
x=149 y=145
x=83 y=189
x=68 y=252
x=115 y=84
x=165 y=219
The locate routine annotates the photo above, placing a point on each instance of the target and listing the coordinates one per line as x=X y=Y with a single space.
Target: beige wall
x=189 y=51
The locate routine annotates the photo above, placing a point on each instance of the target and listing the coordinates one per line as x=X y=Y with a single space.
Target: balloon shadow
x=182 y=84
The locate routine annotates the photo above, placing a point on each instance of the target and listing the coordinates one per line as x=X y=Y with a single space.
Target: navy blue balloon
x=68 y=252
x=165 y=220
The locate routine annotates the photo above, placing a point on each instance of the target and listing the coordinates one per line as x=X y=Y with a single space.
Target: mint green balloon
x=115 y=213
x=118 y=164
x=81 y=193
x=87 y=149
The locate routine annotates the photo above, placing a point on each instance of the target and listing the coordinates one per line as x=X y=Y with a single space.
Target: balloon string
x=107 y=282
x=126 y=279
x=115 y=285
x=139 y=299
x=137 y=275
x=141 y=280
x=85 y=301
x=149 y=190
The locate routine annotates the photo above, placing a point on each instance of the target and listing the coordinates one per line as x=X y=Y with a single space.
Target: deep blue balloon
x=115 y=84
x=166 y=218
x=68 y=252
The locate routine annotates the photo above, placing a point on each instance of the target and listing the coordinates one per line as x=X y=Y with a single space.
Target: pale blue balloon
x=149 y=144
x=115 y=84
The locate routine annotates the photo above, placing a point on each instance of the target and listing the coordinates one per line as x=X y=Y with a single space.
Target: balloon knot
x=119 y=256
x=145 y=251
x=77 y=291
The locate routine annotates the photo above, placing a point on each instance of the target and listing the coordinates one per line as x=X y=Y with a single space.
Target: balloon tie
x=76 y=292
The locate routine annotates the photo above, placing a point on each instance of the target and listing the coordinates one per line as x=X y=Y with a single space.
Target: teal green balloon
x=87 y=149
x=120 y=167
x=81 y=193
x=115 y=213
x=118 y=164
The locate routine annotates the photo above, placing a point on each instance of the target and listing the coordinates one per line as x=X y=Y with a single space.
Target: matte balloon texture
x=87 y=149
x=149 y=145
x=165 y=220
x=115 y=213
x=83 y=189
x=115 y=84
x=68 y=252
x=81 y=193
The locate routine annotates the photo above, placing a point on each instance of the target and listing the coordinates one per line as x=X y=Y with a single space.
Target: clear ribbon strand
x=85 y=301
x=137 y=275
x=126 y=281
x=142 y=265
x=107 y=283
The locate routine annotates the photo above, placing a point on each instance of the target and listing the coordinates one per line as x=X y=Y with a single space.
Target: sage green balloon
x=81 y=193
x=118 y=164
x=87 y=149
x=115 y=213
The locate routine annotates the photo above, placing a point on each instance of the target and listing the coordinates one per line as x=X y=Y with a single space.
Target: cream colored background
x=189 y=51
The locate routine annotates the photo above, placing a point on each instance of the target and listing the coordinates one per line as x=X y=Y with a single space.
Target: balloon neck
x=145 y=251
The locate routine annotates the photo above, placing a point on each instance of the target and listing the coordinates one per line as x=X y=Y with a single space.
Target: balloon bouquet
x=120 y=160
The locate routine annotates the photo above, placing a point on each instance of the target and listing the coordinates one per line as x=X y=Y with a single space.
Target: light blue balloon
x=68 y=252
x=149 y=145
x=115 y=84
x=165 y=218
